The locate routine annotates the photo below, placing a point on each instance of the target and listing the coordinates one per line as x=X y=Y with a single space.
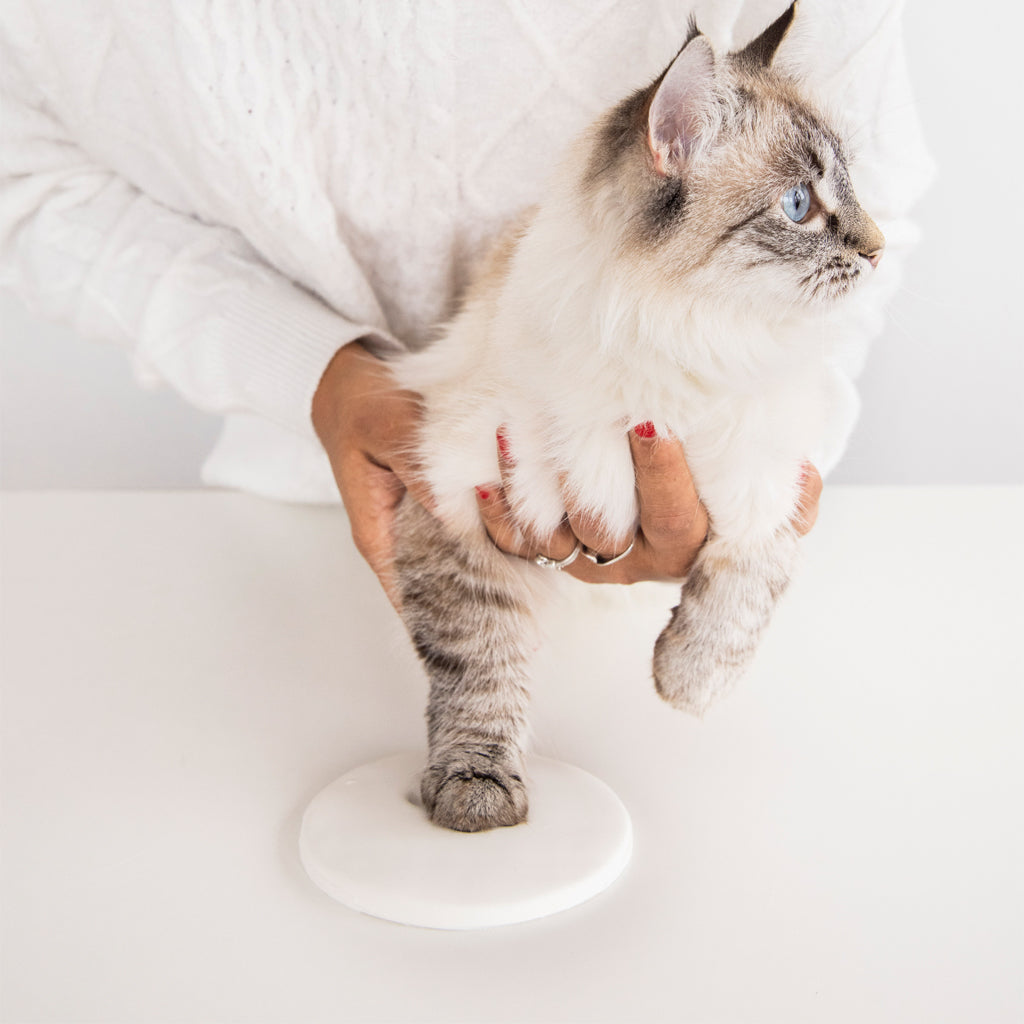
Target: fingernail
x=645 y=429
x=504 y=449
x=483 y=493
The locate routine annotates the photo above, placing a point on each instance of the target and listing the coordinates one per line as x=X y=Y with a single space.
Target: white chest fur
x=749 y=401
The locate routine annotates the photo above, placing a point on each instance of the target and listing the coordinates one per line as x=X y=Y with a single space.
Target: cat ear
x=679 y=107
x=760 y=52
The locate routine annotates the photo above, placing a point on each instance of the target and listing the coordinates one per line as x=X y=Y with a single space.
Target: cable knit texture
x=233 y=189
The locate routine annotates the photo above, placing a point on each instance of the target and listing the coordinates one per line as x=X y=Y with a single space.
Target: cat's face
x=725 y=178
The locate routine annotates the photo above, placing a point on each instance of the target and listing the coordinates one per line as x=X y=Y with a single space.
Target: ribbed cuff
x=276 y=344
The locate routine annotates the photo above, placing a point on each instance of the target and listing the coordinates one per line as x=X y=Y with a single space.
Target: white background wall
x=943 y=391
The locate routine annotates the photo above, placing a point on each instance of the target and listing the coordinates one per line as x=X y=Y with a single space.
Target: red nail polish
x=482 y=494
x=504 y=450
x=645 y=430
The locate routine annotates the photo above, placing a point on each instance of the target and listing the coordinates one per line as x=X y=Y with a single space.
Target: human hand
x=673 y=523
x=367 y=426
x=811 y=486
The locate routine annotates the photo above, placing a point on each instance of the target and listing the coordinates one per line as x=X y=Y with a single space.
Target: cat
x=675 y=273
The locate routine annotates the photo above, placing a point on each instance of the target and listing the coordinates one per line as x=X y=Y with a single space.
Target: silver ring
x=601 y=560
x=551 y=563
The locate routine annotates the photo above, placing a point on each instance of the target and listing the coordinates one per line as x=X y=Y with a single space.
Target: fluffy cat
x=676 y=273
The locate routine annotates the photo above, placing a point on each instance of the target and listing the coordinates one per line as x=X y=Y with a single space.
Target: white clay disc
x=367 y=842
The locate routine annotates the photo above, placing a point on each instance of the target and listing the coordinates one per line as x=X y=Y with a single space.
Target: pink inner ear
x=677 y=110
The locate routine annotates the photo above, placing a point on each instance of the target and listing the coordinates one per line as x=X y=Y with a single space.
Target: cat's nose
x=870 y=240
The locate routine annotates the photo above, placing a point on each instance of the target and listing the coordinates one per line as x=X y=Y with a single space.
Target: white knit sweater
x=233 y=189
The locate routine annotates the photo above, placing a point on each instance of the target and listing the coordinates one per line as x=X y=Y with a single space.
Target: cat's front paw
x=692 y=677
x=471 y=789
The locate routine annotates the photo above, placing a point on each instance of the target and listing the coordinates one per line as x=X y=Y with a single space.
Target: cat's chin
x=834 y=284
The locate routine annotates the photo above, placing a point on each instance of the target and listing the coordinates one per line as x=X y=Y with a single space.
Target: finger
x=589 y=528
x=522 y=542
x=673 y=521
x=810 y=496
x=495 y=510
x=514 y=539
x=526 y=543
x=518 y=538
x=506 y=460
x=497 y=518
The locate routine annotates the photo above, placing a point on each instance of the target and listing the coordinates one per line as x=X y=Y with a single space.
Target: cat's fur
x=659 y=281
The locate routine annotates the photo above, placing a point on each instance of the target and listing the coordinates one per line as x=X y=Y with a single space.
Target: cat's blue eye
x=796 y=202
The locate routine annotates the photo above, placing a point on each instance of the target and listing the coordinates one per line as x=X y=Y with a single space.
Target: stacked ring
x=597 y=559
x=553 y=563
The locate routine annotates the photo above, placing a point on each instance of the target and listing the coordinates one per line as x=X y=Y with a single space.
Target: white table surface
x=841 y=840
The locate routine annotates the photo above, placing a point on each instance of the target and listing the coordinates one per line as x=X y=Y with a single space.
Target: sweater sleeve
x=193 y=302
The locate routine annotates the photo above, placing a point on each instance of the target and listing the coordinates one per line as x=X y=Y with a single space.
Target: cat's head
x=721 y=174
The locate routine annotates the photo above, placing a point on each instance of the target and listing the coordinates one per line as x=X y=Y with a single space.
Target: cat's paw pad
x=472 y=790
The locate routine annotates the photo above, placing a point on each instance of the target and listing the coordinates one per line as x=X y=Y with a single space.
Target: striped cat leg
x=725 y=604
x=467 y=613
